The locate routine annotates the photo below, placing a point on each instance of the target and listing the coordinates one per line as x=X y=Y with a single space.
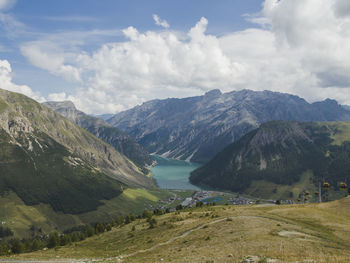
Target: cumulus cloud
x=318 y=36
x=301 y=47
x=160 y=22
x=6 y=82
x=153 y=64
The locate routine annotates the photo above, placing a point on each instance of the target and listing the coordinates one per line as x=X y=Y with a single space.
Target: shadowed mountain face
x=280 y=152
x=346 y=107
x=197 y=128
x=101 y=129
x=45 y=158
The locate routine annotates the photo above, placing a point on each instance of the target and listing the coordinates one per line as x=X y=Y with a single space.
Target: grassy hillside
x=54 y=174
x=270 y=162
x=340 y=131
x=21 y=218
x=286 y=233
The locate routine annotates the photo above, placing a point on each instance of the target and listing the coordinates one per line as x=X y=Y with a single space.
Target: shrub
x=17 y=246
x=65 y=240
x=54 y=240
x=146 y=214
x=179 y=207
x=152 y=222
x=5 y=232
x=89 y=231
x=100 y=228
x=199 y=204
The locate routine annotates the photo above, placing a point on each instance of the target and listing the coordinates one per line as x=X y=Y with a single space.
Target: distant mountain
x=104 y=116
x=101 y=129
x=45 y=158
x=346 y=107
x=197 y=128
x=279 y=153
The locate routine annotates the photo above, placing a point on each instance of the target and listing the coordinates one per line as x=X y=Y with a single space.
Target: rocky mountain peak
x=213 y=93
x=55 y=105
x=101 y=129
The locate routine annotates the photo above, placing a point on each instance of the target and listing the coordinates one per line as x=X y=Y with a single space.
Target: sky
x=108 y=56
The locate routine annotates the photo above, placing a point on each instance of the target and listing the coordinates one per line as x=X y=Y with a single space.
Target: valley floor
x=286 y=233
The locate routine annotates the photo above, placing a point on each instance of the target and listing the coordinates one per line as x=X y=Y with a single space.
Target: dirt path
x=166 y=242
x=120 y=258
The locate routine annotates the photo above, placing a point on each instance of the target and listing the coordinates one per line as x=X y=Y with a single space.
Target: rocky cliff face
x=197 y=128
x=101 y=129
x=280 y=152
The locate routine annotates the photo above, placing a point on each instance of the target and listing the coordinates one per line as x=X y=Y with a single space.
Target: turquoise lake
x=173 y=174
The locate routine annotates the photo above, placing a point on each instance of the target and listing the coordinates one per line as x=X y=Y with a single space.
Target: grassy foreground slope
x=287 y=233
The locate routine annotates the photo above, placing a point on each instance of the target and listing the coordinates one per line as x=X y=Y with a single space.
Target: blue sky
x=42 y=17
x=107 y=56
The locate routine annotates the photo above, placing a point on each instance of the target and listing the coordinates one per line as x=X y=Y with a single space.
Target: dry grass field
x=257 y=233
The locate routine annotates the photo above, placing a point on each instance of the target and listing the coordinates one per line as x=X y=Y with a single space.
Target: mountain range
x=107 y=133
x=197 y=128
x=281 y=154
x=45 y=158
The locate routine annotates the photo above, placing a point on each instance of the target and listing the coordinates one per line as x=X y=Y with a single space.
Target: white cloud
x=153 y=64
x=57 y=96
x=317 y=35
x=302 y=47
x=160 y=22
x=6 y=82
x=6 y=4
x=11 y=26
x=48 y=56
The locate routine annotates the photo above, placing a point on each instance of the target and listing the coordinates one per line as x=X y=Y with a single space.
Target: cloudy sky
x=107 y=56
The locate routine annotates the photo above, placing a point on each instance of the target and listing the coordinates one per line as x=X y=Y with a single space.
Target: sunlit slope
x=297 y=233
x=26 y=220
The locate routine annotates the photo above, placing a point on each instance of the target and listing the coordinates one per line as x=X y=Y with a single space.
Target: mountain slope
x=44 y=158
x=197 y=128
x=280 y=153
x=109 y=134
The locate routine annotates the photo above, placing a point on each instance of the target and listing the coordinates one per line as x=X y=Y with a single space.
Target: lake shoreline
x=173 y=173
